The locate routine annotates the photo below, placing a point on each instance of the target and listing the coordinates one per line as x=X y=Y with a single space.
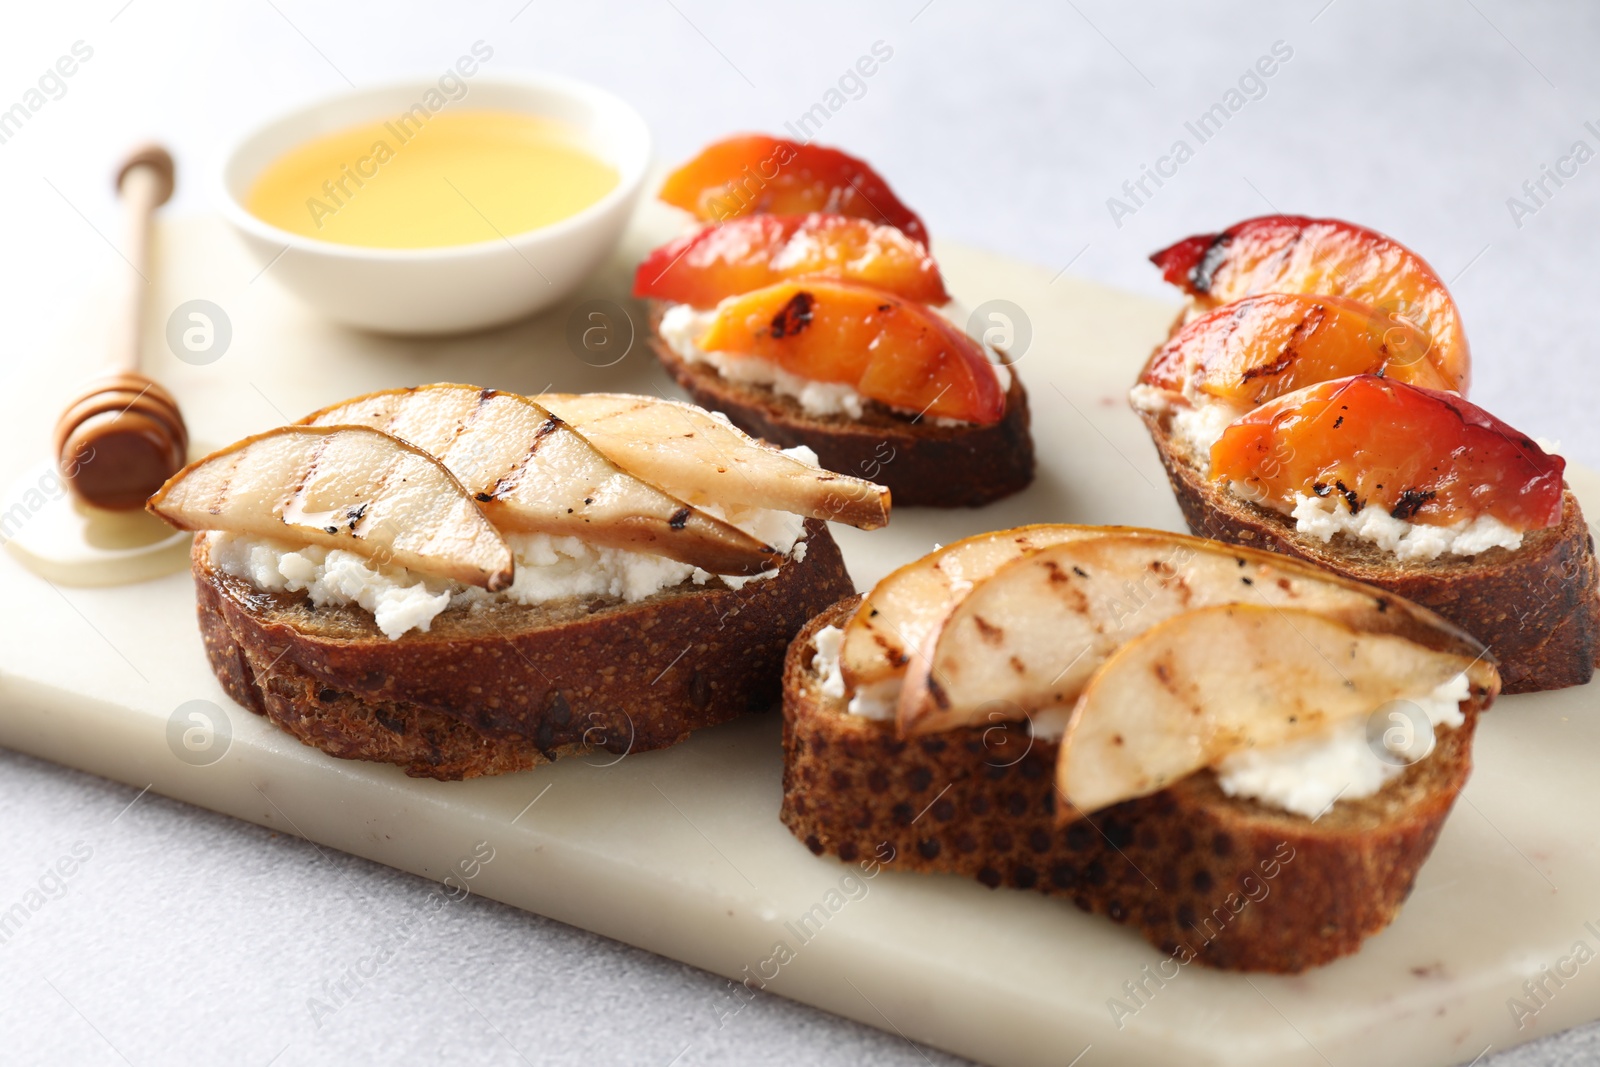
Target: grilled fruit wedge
x=754 y=174
x=756 y=251
x=897 y=352
x=703 y=458
x=347 y=487
x=1028 y=637
x=1294 y=254
x=1261 y=347
x=897 y=616
x=531 y=472
x=1194 y=689
x=1423 y=456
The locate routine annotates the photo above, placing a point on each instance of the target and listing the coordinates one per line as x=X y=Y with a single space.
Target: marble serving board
x=681 y=852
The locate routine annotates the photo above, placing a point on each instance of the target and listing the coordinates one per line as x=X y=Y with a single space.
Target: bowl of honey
x=439 y=206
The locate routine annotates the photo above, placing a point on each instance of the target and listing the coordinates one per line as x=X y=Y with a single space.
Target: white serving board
x=681 y=852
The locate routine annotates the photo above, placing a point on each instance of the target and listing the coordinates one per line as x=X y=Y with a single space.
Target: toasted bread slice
x=507 y=687
x=923 y=464
x=1537 y=608
x=1203 y=876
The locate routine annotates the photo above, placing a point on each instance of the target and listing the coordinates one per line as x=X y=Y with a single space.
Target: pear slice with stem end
x=1030 y=635
x=532 y=472
x=347 y=487
x=703 y=457
x=1202 y=685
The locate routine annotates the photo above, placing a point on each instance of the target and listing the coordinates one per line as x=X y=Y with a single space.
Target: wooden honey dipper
x=123 y=436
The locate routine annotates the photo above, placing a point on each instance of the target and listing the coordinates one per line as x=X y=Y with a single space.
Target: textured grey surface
x=187 y=937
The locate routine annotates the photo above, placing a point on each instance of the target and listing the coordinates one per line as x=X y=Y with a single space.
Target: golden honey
x=450 y=178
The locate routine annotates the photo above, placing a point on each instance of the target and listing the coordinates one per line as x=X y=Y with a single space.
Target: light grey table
x=188 y=937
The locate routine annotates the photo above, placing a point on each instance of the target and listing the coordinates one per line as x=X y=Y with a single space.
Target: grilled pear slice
x=532 y=472
x=1200 y=686
x=702 y=457
x=897 y=616
x=349 y=487
x=1031 y=634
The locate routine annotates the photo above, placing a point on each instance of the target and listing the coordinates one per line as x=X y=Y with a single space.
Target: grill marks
x=295 y=503
x=1204 y=274
x=794 y=316
x=1411 y=501
x=1304 y=330
x=507 y=482
x=531 y=471
x=989 y=631
x=1354 y=502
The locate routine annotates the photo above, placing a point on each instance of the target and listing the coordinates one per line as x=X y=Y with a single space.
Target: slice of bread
x=1203 y=876
x=923 y=464
x=1537 y=608
x=504 y=688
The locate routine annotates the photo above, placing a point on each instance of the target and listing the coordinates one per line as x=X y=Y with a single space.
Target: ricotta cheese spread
x=1324 y=516
x=682 y=324
x=827 y=642
x=1194 y=427
x=1050 y=724
x=548 y=568
x=1306 y=777
x=876 y=700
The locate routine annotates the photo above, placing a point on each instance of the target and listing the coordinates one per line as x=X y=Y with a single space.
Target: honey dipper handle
x=144 y=182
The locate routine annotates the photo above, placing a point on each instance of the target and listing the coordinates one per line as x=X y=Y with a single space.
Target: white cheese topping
x=547 y=569
x=1194 y=428
x=1323 y=517
x=1050 y=724
x=1306 y=777
x=828 y=641
x=681 y=325
x=876 y=700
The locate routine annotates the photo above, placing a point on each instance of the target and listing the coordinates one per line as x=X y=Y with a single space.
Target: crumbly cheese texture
x=1323 y=517
x=876 y=701
x=548 y=569
x=827 y=642
x=1345 y=762
x=1195 y=427
x=682 y=325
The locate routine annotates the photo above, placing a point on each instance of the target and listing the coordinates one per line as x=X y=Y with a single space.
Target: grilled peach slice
x=756 y=251
x=753 y=174
x=1293 y=254
x=1261 y=347
x=892 y=350
x=1421 y=455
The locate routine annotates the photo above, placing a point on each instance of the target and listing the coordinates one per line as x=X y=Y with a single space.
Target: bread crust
x=922 y=463
x=1203 y=876
x=1537 y=608
x=504 y=689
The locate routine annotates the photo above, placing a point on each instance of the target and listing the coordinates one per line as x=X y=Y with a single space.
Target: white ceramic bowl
x=458 y=287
